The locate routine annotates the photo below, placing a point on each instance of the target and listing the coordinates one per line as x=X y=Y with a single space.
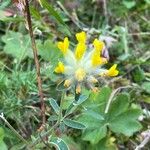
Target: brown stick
x=29 y=22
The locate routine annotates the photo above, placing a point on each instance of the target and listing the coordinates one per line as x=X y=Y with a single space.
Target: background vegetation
x=74 y=123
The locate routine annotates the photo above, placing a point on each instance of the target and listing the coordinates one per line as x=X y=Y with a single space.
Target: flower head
x=84 y=65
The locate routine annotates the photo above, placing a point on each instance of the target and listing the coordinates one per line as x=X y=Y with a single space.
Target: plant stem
x=28 y=16
x=15 y=132
x=48 y=132
x=45 y=134
x=112 y=96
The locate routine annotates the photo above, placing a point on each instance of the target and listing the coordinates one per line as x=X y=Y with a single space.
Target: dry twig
x=29 y=23
x=146 y=136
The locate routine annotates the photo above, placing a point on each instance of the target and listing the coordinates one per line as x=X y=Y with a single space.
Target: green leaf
x=123 y=57
x=82 y=98
x=147 y=1
x=102 y=95
x=4 y=4
x=129 y=4
x=71 y=108
x=145 y=98
x=3 y=146
x=49 y=52
x=75 y=104
x=95 y=127
x=119 y=105
x=17 y=45
x=73 y=124
x=59 y=143
x=35 y=13
x=146 y=86
x=126 y=122
x=64 y=30
x=54 y=105
x=18 y=146
x=53 y=118
x=89 y=121
x=106 y=144
x=138 y=74
x=68 y=100
x=97 y=101
x=52 y=11
x=93 y=114
x=71 y=142
x=95 y=135
x=2 y=134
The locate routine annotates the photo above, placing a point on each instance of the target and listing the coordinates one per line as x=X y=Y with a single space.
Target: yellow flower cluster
x=83 y=64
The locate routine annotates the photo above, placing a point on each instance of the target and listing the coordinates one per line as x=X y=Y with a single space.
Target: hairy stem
x=29 y=22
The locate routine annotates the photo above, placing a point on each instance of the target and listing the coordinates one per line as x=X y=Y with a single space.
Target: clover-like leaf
x=121 y=118
x=102 y=95
x=126 y=122
x=97 y=101
x=106 y=144
x=49 y=52
x=96 y=127
x=119 y=105
x=89 y=121
x=17 y=45
x=95 y=135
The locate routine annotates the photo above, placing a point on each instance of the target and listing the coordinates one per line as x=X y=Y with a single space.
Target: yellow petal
x=112 y=71
x=80 y=74
x=98 y=45
x=81 y=37
x=63 y=46
x=97 y=60
x=80 y=50
x=60 y=68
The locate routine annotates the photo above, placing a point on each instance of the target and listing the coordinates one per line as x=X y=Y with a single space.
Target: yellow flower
x=63 y=46
x=80 y=50
x=112 y=71
x=60 y=68
x=98 y=45
x=81 y=37
x=83 y=67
